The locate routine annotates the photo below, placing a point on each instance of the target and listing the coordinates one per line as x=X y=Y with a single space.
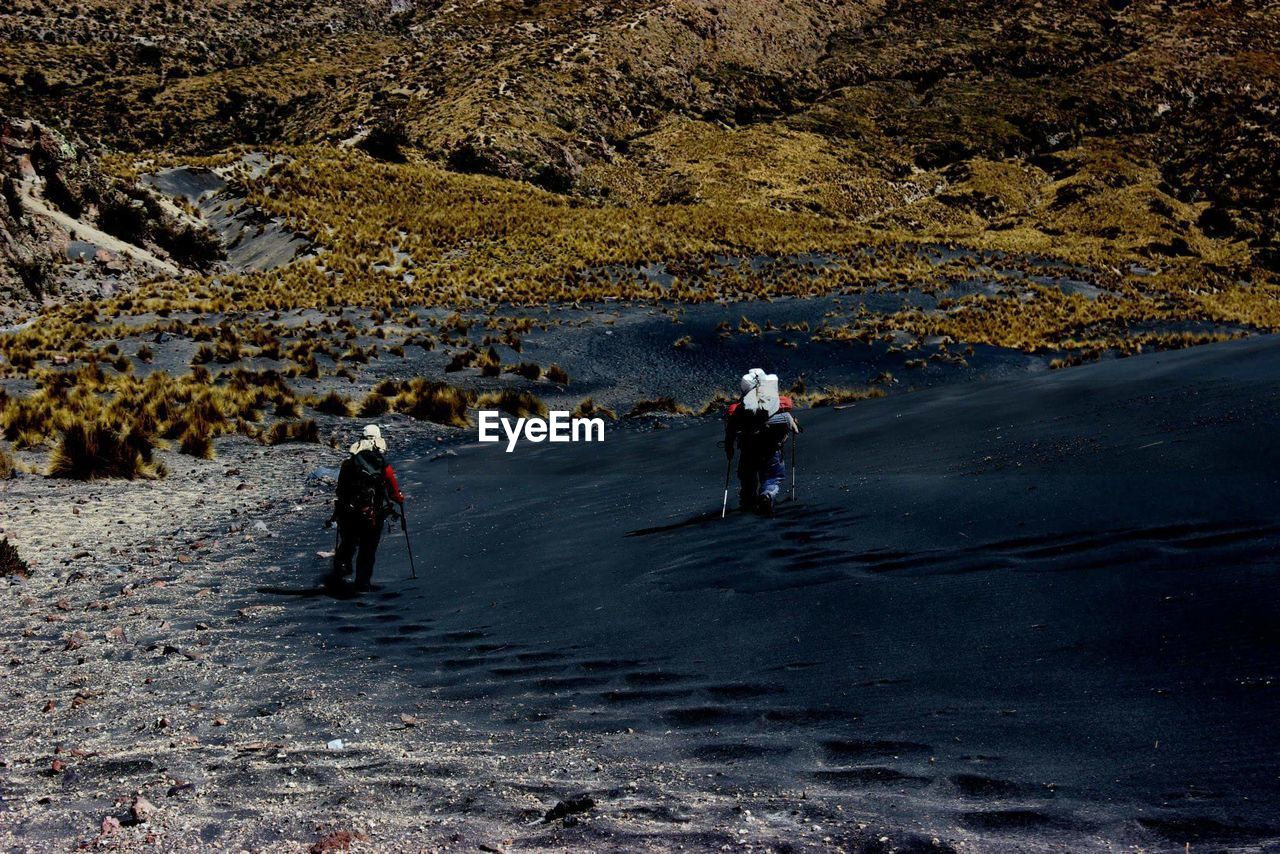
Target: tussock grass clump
x=520 y=404
x=436 y=402
x=528 y=370
x=333 y=404
x=90 y=451
x=461 y=359
x=557 y=375
x=718 y=405
x=291 y=431
x=287 y=409
x=11 y=563
x=835 y=396
x=6 y=465
x=374 y=405
x=490 y=364
x=659 y=405
x=197 y=441
x=588 y=408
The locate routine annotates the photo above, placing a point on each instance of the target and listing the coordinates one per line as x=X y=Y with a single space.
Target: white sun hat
x=370 y=439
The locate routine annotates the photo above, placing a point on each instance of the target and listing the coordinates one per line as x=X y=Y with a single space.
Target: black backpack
x=367 y=488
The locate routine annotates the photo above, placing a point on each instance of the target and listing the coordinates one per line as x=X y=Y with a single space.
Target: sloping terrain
x=1055 y=118
x=1021 y=614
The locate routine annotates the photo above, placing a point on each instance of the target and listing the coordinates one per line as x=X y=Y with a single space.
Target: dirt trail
x=84 y=231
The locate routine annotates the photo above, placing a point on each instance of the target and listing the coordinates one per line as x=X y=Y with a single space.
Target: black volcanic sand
x=1017 y=614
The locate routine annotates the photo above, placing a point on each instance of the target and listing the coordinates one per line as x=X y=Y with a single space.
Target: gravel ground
x=153 y=698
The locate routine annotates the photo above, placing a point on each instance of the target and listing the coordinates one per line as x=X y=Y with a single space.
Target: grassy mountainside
x=1146 y=126
x=1065 y=177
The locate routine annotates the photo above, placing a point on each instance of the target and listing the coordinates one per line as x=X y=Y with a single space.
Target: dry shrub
x=490 y=364
x=717 y=405
x=666 y=405
x=196 y=441
x=333 y=404
x=374 y=405
x=587 y=408
x=436 y=402
x=287 y=409
x=517 y=403
x=291 y=431
x=390 y=387
x=557 y=375
x=528 y=370
x=6 y=465
x=11 y=563
x=461 y=359
x=836 y=396
x=89 y=451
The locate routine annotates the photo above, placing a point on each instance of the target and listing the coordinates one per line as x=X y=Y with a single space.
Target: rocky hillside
x=57 y=200
x=1151 y=124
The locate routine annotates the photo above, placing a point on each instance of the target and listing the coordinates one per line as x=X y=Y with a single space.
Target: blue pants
x=760 y=478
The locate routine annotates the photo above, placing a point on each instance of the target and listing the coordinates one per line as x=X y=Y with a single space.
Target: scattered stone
x=141 y=810
x=577 y=804
x=75 y=640
x=340 y=840
x=335 y=745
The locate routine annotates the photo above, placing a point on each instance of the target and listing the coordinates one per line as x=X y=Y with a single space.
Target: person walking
x=367 y=489
x=759 y=425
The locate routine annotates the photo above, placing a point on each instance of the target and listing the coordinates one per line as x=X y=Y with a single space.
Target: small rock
x=337 y=841
x=110 y=825
x=335 y=745
x=141 y=809
x=578 y=804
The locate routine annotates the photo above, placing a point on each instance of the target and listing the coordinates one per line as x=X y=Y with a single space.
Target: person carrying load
x=367 y=488
x=759 y=425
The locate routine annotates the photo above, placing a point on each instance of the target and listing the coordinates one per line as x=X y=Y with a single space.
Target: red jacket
x=393 y=485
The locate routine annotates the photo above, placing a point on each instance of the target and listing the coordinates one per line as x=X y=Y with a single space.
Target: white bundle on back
x=760 y=391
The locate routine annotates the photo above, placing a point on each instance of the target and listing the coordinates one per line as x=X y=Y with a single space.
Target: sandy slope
x=1034 y=614
x=1019 y=612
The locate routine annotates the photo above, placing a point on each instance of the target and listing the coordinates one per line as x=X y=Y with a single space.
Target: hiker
x=367 y=487
x=759 y=424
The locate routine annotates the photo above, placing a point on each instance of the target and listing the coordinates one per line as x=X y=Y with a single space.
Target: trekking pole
x=793 y=465
x=724 y=505
x=404 y=526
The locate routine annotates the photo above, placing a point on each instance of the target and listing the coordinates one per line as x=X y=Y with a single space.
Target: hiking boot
x=764 y=505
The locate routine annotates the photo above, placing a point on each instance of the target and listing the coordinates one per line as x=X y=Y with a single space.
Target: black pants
x=357 y=534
